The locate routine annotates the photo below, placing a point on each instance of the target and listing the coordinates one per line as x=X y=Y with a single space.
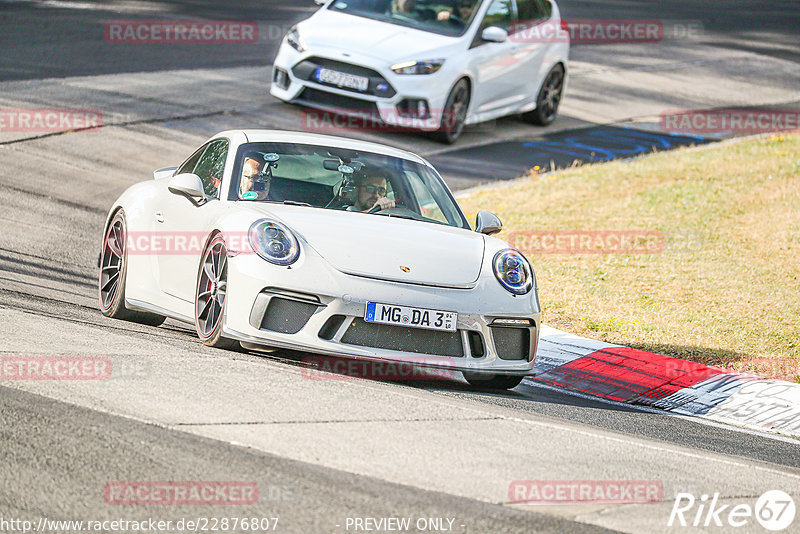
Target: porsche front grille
x=403 y=338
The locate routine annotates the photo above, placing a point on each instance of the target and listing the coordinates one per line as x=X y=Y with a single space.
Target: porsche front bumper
x=324 y=314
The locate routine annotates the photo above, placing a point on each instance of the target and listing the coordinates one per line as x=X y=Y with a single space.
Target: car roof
x=305 y=138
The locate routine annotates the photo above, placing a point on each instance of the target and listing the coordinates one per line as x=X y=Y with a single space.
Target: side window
x=533 y=11
x=424 y=189
x=500 y=14
x=211 y=166
x=191 y=163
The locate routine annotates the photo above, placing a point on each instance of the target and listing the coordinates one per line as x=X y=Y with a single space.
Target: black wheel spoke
x=212 y=316
x=203 y=316
x=111 y=280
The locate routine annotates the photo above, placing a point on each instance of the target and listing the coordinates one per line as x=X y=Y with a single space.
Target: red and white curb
x=645 y=378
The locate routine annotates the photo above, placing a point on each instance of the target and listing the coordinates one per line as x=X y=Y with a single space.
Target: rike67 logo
x=774 y=510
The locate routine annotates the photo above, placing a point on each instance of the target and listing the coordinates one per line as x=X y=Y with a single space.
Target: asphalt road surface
x=322 y=452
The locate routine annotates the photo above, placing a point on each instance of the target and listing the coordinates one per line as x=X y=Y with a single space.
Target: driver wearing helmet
x=371 y=191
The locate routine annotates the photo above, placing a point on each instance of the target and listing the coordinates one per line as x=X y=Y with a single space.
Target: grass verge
x=716 y=278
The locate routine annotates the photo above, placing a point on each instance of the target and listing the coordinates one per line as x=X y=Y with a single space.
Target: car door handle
x=159 y=217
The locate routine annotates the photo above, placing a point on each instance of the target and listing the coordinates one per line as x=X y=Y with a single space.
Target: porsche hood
x=389 y=248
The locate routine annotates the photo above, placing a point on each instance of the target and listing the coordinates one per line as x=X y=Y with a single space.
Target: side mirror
x=493 y=34
x=187 y=184
x=487 y=223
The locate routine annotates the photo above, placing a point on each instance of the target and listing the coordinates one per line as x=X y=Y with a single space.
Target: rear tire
x=211 y=296
x=548 y=99
x=492 y=381
x=113 y=273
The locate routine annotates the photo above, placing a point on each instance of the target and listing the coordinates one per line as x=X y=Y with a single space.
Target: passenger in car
x=407 y=7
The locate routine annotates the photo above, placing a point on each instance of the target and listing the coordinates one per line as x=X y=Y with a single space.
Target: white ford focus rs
x=321 y=244
x=433 y=65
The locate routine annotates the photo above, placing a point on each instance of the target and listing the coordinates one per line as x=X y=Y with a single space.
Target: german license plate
x=408 y=316
x=342 y=79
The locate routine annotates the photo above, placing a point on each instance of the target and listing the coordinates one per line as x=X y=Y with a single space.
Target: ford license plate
x=408 y=316
x=342 y=79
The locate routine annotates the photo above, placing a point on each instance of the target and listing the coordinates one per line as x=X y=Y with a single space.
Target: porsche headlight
x=294 y=40
x=418 y=67
x=513 y=271
x=274 y=242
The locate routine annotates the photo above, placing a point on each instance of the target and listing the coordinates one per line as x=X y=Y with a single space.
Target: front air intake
x=287 y=316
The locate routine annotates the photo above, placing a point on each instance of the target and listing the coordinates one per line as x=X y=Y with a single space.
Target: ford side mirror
x=493 y=34
x=487 y=223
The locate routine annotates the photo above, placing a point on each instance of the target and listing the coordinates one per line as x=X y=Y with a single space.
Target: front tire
x=492 y=381
x=211 y=295
x=548 y=99
x=113 y=274
x=454 y=115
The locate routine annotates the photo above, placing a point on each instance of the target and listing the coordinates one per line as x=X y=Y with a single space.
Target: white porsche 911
x=321 y=244
x=433 y=65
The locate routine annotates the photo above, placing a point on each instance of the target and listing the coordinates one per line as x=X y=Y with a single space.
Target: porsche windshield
x=446 y=17
x=342 y=179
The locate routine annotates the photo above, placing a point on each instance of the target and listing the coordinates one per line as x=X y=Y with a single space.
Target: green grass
x=724 y=290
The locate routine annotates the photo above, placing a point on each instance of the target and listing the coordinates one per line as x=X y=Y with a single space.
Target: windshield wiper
x=296 y=203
